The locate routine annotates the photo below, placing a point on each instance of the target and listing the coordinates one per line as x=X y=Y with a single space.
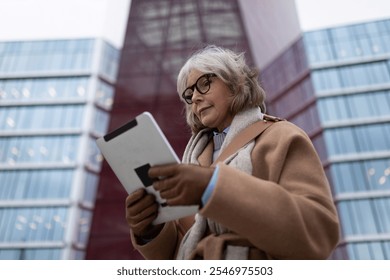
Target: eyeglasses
x=202 y=85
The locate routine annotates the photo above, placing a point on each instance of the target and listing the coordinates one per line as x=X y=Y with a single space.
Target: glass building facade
x=335 y=83
x=351 y=76
x=55 y=98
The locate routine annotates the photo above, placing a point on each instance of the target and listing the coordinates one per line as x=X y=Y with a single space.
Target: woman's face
x=212 y=108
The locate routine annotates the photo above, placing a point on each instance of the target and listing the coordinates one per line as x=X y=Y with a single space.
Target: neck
x=222 y=130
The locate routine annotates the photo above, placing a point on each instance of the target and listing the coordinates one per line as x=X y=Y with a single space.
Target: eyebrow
x=195 y=80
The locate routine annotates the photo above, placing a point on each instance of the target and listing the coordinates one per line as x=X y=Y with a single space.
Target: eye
x=188 y=94
x=205 y=82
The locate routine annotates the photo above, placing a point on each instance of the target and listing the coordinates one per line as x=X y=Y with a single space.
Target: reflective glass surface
x=91 y=183
x=53 y=98
x=335 y=84
x=54 y=55
x=361 y=176
x=39 y=149
x=366 y=105
x=30 y=254
x=354 y=76
x=43 y=89
x=104 y=96
x=365 y=216
x=84 y=225
x=95 y=158
x=32 y=224
x=348 y=42
x=109 y=61
x=100 y=122
x=351 y=77
x=41 y=117
x=35 y=184
x=358 y=139
x=369 y=250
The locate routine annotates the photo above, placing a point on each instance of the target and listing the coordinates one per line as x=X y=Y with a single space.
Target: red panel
x=147 y=82
x=112 y=248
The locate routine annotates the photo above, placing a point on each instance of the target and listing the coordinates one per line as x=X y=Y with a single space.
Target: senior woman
x=269 y=199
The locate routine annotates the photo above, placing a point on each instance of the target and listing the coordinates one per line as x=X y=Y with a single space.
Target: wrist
x=150 y=232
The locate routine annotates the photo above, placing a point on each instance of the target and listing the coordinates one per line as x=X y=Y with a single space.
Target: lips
x=203 y=109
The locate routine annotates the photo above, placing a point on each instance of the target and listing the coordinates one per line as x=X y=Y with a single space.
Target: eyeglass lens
x=202 y=85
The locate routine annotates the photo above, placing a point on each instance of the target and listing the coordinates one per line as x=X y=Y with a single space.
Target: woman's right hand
x=141 y=210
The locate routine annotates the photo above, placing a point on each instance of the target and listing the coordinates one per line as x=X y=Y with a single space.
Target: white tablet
x=131 y=150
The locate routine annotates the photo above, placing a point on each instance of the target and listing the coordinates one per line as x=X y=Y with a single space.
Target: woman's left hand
x=181 y=184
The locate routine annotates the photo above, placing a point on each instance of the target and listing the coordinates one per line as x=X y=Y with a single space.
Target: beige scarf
x=240 y=160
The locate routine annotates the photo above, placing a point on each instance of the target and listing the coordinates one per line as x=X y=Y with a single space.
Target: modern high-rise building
x=335 y=83
x=160 y=36
x=55 y=97
x=350 y=69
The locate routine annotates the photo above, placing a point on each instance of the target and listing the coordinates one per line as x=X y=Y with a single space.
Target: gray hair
x=232 y=69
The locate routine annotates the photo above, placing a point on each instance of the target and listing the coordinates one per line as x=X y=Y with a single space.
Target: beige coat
x=284 y=211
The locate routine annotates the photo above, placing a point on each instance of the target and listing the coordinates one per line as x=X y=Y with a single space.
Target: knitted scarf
x=240 y=160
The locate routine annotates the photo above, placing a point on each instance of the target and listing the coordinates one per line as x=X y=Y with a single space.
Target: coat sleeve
x=165 y=245
x=285 y=207
x=161 y=247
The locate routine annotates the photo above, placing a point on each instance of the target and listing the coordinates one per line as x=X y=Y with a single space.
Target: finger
x=169 y=193
x=135 y=196
x=145 y=213
x=141 y=204
x=165 y=170
x=140 y=227
x=183 y=199
x=133 y=220
x=164 y=184
x=175 y=201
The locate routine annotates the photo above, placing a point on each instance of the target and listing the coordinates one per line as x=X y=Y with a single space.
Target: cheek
x=225 y=107
x=193 y=110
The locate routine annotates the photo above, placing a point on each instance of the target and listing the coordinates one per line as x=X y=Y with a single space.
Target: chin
x=207 y=123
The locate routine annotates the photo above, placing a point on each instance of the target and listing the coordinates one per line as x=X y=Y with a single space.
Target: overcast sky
x=46 y=19
x=317 y=14
x=52 y=19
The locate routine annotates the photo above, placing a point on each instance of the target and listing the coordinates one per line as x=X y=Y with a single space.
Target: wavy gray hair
x=232 y=69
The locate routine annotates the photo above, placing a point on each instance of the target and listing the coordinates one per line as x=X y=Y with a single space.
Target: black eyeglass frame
x=188 y=99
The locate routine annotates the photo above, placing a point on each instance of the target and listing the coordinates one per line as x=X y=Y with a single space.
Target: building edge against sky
x=335 y=83
x=54 y=101
x=56 y=87
x=350 y=71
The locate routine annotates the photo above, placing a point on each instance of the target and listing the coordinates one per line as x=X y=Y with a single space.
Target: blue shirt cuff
x=210 y=187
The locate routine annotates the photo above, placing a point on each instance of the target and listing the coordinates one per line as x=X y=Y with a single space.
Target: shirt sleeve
x=210 y=187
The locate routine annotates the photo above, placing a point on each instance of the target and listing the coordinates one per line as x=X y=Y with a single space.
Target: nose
x=196 y=95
